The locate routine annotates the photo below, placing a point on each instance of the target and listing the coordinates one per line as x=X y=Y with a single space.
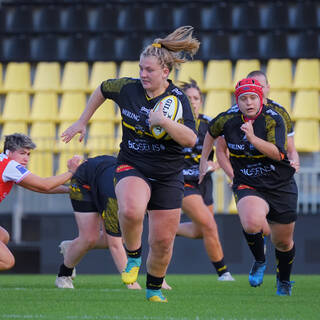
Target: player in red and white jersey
x=13 y=162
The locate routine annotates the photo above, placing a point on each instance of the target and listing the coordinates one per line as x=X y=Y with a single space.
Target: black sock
x=65 y=271
x=154 y=283
x=284 y=263
x=220 y=266
x=134 y=253
x=256 y=245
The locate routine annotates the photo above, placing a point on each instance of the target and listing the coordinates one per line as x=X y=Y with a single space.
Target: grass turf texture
x=194 y=297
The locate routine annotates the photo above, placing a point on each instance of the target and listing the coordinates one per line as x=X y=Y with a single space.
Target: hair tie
x=157 y=45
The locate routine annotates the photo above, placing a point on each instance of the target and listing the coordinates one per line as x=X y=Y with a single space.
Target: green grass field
x=194 y=297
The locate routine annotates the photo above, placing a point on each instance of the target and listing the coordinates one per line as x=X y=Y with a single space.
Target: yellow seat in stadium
x=102 y=71
x=44 y=107
x=47 y=77
x=10 y=127
x=117 y=114
x=129 y=69
x=17 y=77
x=16 y=106
x=218 y=75
x=72 y=105
x=243 y=67
x=279 y=73
x=282 y=97
x=72 y=146
x=306 y=105
x=307 y=75
x=75 y=77
x=191 y=70
x=216 y=102
x=105 y=112
x=43 y=135
x=101 y=137
x=306 y=136
x=41 y=163
x=118 y=138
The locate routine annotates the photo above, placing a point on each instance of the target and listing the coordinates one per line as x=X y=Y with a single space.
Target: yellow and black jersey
x=281 y=110
x=193 y=155
x=92 y=190
x=284 y=114
x=250 y=166
x=156 y=159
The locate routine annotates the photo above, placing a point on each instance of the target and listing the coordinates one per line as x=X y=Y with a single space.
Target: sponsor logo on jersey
x=177 y=91
x=130 y=114
x=21 y=169
x=257 y=171
x=145 y=146
x=272 y=112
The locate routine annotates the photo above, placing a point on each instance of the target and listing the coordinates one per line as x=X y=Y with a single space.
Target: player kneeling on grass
x=95 y=207
x=13 y=162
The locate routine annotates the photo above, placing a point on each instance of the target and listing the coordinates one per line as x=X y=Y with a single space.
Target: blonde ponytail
x=174 y=49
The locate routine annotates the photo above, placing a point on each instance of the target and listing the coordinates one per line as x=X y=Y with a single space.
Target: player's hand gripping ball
x=172 y=109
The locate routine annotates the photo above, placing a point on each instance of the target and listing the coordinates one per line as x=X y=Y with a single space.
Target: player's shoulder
x=276 y=106
x=116 y=85
x=204 y=118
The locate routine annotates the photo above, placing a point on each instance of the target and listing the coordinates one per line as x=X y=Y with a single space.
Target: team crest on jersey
x=21 y=169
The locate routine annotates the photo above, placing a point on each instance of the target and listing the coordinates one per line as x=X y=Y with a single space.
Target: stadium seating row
x=112 y=47
x=215 y=75
x=45 y=106
x=162 y=17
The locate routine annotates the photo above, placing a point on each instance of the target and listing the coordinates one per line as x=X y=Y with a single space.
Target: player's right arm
x=94 y=102
x=206 y=150
x=51 y=184
x=222 y=155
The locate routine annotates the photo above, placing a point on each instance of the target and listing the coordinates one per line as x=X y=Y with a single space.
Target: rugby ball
x=172 y=109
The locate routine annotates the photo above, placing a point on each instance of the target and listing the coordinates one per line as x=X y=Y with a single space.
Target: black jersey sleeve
x=216 y=125
x=276 y=131
x=284 y=114
x=111 y=88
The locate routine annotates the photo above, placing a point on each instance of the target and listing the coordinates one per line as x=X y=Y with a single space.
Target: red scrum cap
x=249 y=85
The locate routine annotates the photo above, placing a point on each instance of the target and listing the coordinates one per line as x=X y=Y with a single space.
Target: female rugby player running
x=197 y=203
x=149 y=171
x=263 y=183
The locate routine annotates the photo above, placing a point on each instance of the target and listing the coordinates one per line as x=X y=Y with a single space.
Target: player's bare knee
x=4 y=236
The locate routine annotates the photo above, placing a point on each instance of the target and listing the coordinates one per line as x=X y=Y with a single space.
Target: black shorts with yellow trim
x=82 y=201
x=204 y=189
x=282 y=201
x=165 y=194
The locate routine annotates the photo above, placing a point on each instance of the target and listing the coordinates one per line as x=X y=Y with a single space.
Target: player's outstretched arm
x=51 y=184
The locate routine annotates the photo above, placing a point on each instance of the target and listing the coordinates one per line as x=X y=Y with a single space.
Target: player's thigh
x=133 y=194
x=196 y=209
x=4 y=235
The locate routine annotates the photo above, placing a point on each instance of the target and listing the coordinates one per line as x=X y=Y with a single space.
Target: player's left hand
x=156 y=118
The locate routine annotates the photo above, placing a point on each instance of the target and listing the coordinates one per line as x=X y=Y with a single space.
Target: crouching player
x=95 y=207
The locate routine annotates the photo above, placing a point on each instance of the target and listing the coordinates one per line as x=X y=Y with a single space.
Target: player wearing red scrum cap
x=263 y=184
